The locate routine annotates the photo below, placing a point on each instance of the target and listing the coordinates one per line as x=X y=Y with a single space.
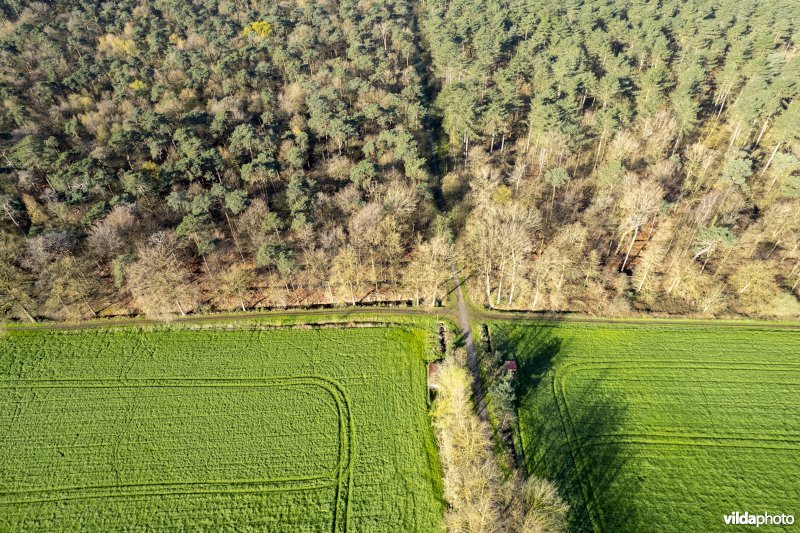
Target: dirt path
x=479 y=315
x=462 y=314
x=338 y=314
x=545 y=317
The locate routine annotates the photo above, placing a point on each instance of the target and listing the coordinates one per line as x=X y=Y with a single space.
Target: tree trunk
x=798 y=279
x=724 y=98
x=10 y=215
x=500 y=288
x=677 y=141
x=644 y=277
x=723 y=261
x=674 y=284
x=25 y=311
x=488 y=286
x=597 y=155
x=536 y=294
x=528 y=142
x=630 y=247
x=207 y=267
x=86 y=303
x=374 y=272
x=513 y=283
x=762 y=132
x=233 y=235
x=735 y=134
x=769 y=162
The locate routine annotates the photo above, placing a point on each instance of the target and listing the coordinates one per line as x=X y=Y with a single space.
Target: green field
x=660 y=428
x=322 y=429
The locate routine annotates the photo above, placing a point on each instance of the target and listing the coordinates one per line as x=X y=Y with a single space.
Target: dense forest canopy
x=624 y=153
x=607 y=157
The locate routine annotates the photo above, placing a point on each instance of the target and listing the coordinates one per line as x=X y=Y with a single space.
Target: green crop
x=660 y=428
x=285 y=429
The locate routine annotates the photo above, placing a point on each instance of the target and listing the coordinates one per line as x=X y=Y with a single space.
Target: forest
x=605 y=157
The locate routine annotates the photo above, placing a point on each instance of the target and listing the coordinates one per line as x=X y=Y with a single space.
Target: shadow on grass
x=561 y=434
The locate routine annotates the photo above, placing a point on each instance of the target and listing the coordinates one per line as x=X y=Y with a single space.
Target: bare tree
x=15 y=284
x=110 y=236
x=158 y=280
x=347 y=275
x=428 y=271
x=236 y=281
x=641 y=201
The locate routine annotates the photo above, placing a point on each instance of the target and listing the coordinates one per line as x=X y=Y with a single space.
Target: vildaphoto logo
x=747 y=519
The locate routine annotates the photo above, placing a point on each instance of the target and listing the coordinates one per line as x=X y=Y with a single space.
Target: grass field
x=660 y=428
x=287 y=429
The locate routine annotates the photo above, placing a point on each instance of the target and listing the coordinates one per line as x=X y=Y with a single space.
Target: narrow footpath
x=462 y=314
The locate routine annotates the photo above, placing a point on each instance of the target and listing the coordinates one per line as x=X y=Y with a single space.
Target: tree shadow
x=462 y=280
x=534 y=346
x=568 y=431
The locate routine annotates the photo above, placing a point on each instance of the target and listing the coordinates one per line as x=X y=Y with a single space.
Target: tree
x=429 y=270
x=236 y=281
x=472 y=478
x=556 y=178
x=158 y=280
x=347 y=274
x=479 y=499
x=8 y=209
x=641 y=201
x=109 y=237
x=709 y=240
x=260 y=134
x=754 y=283
x=684 y=105
x=71 y=286
x=197 y=229
x=543 y=508
x=460 y=114
x=784 y=130
x=736 y=169
x=259 y=30
x=15 y=283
